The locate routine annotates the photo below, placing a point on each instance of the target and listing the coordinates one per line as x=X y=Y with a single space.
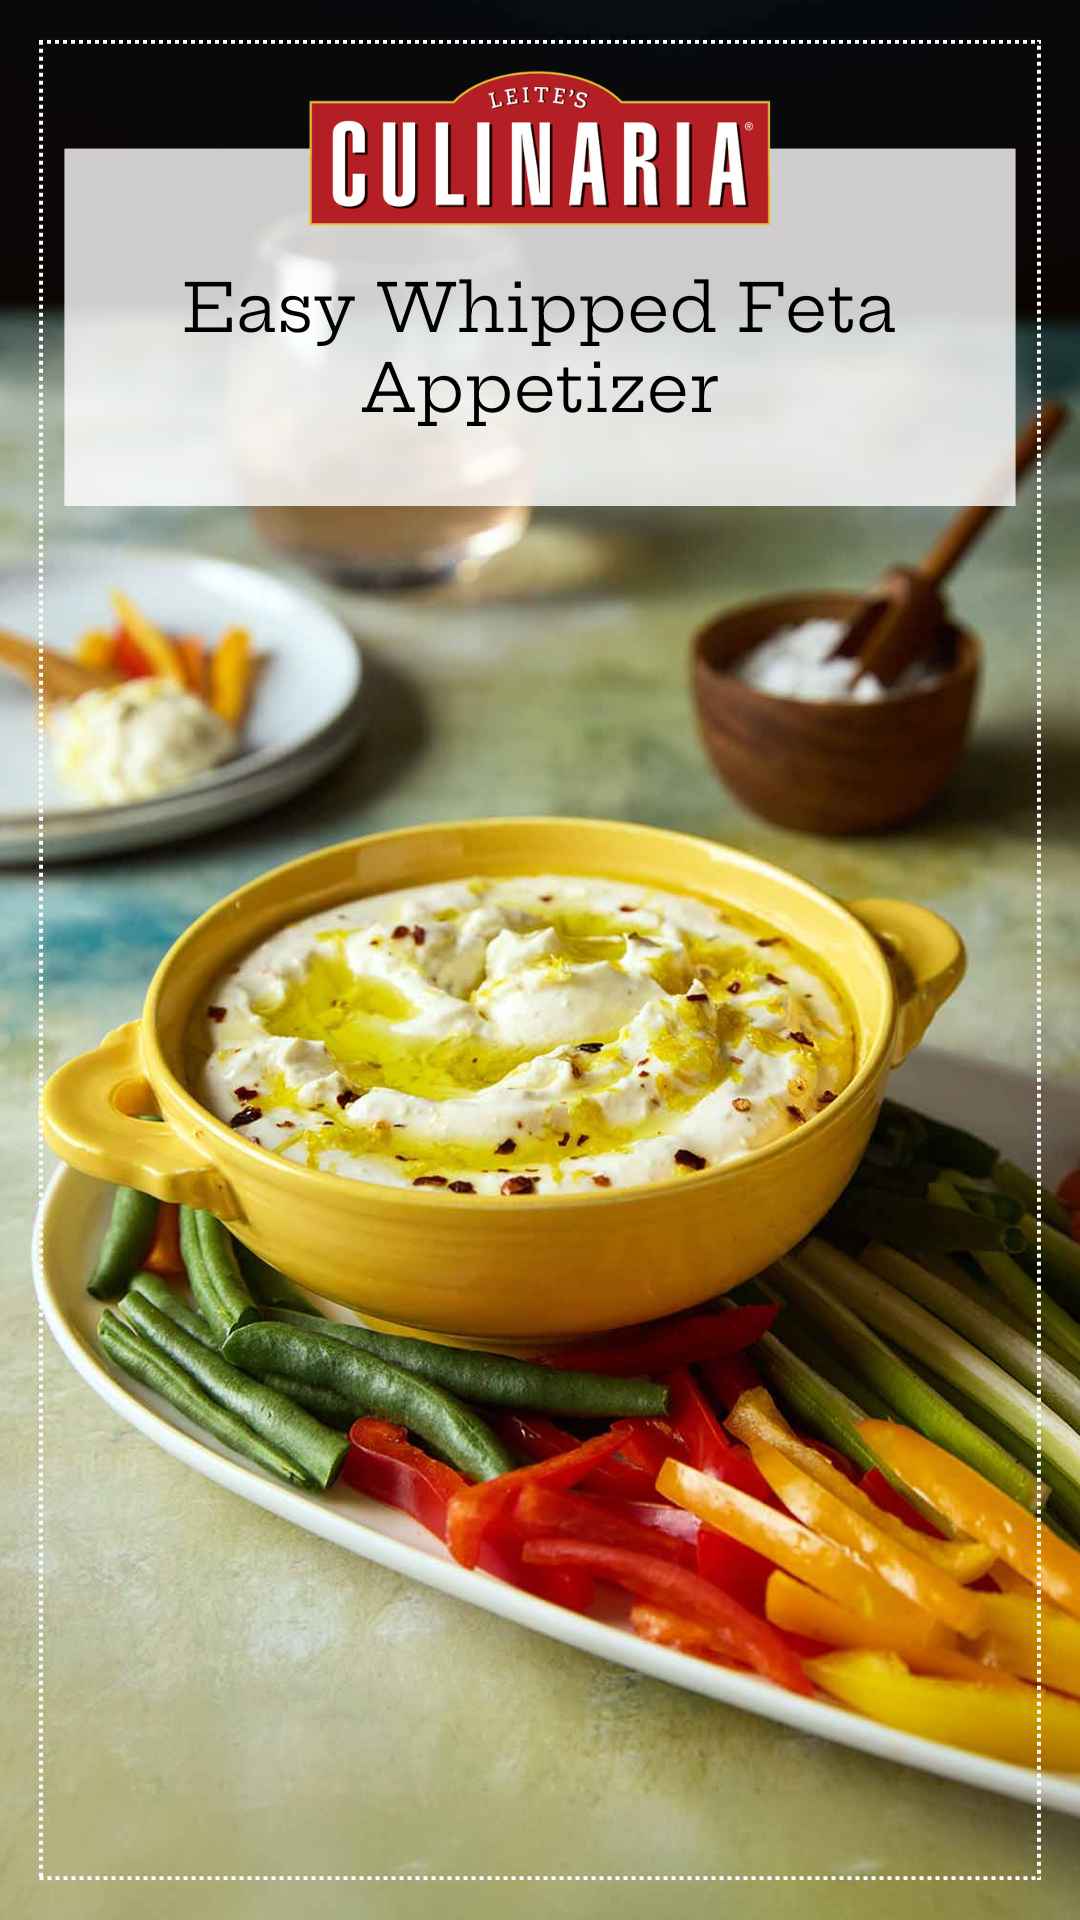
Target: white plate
x=69 y=1227
x=305 y=713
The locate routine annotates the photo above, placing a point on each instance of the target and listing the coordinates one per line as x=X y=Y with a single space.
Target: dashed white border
x=502 y=1879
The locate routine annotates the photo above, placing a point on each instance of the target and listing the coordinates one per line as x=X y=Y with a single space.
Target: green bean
x=216 y=1281
x=219 y=1256
x=317 y=1451
x=199 y=1279
x=495 y=1380
x=327 y=1406
x=154 y=1368
x=914 y=1226
x=126 y=1243
x=271 y=1288
x=371 y=1385
x=163 y=1297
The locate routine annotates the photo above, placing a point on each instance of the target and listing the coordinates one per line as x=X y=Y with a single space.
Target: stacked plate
x=306 y=710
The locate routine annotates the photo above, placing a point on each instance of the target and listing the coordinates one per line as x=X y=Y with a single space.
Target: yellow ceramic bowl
x=552 y=1265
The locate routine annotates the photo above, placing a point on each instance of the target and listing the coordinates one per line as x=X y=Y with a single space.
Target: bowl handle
x=926 y=959
x=93 y=1115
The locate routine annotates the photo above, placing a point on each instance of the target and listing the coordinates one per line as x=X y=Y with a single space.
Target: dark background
x=969 y=96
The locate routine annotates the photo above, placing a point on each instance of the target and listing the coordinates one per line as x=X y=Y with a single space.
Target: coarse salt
x=795 y=663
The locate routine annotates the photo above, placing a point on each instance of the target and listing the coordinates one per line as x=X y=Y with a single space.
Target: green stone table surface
x=225 y=1696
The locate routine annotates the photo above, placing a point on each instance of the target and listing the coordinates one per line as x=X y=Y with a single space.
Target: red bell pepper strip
x=705 y=1443
x=669 y=1630
x=474 y=1510
x=664 y=1344
x=647 y=1445
x=128 y=658
x=648 y=1577
x=1069 y=1190
x=884 y=1495
x=735 y=1568
x=540 y=1439
x=545 y=1510
x=730 y=1378
x=383 y=1463
x=661 y=1517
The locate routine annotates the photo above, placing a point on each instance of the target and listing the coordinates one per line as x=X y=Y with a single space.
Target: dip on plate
x=517 y=1036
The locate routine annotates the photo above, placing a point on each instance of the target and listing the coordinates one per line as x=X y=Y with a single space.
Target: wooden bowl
x=829 y=766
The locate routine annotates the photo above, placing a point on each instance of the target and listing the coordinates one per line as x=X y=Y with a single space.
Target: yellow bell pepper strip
x=979 y=1509
x=923 y=1584
x=96 y=648
x=1009 y=1641
x=1006 y=1581
x=995 y=1720
x=755 y=1418
x=159 y=653
x=231 y=667
x=788 y=1544
x=813 y=1616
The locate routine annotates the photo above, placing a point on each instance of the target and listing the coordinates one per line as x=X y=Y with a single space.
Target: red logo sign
x=540 y=148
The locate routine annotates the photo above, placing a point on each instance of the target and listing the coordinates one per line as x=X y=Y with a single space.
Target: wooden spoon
x=61 y=677
x=903 y=615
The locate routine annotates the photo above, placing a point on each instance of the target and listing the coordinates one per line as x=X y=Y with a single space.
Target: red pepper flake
x=286 y=1123
x=576 y=1069
x=697 y=996
x=400 y=933
x=462 y=1186
x=601 y=1180
x=772 y=941
x=797 y=1114
x=684 y=1158
x=545 y=897
x=563 y=1140
x=777 y=979
x=581 y=1139
x=735 y=1059
x=507 y=1146
x=419 y=935
x=826 y=1099
x=518 y=1183
x=735 y=986
x=245 y=1116
x=346 y=1098
x=742 y=1104
x=244 y=1094
x=627 y=909
x=216 y=1013
x=802 y=1039
x=590 y=1046
x=430 y=1180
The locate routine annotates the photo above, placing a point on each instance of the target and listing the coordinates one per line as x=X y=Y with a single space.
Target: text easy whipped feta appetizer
x=505 y=1036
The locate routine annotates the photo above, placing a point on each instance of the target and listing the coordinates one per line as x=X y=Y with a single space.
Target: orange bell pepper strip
x=908 y=1572
x=231 y=667
x=192 y=656
x=813 y=1616
x=757 y=1419
x=158 y=652
x=785 y=1542
x=995 y=1720
x=737 y=1634
x=1009 y=1641
x=96 y=648
x=977 y=1508
x=164 y=1256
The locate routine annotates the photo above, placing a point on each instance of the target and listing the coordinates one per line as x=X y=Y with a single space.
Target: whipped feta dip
x=135 y=740
x=794 y=662
x=519 y=1036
